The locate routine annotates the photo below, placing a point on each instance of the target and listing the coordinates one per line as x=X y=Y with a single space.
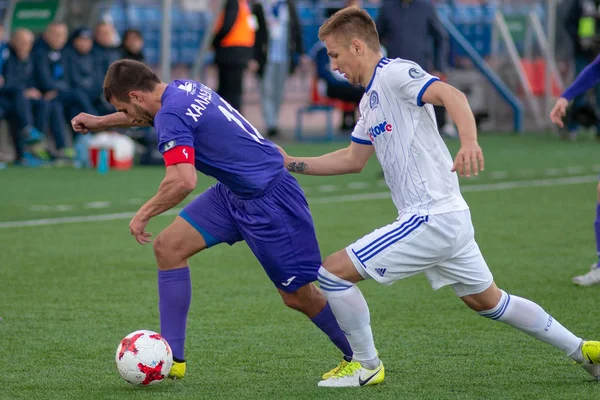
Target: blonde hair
x=349 y=23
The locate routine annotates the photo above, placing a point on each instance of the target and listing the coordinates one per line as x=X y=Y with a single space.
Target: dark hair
x=124 y=76
x=132 y=32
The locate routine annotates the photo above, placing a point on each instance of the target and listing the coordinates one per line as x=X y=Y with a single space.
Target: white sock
x=530 y=318
x=352 y=314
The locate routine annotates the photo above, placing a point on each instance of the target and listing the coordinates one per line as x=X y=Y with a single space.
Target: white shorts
x=442 y=246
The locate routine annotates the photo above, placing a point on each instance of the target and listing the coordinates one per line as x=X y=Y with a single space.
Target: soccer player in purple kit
x=255 y=199
x=587 y=79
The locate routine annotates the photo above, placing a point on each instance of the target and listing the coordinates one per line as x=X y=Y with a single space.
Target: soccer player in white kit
x=433 y=233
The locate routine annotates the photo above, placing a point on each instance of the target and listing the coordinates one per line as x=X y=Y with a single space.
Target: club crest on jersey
x=189 y=87
x=377 y=130
x=416 y=73
x=373 y=100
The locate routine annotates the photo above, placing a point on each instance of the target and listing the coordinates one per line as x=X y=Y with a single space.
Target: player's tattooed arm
x=297 y=166
x=351 y=159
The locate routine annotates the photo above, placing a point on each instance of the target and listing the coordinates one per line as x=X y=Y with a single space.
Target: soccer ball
x=144 y=358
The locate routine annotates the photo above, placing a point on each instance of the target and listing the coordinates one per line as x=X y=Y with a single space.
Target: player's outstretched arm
x=85 y=123
x=351 y=159
x=178 y=183
x=587 y=79
x=469 y=158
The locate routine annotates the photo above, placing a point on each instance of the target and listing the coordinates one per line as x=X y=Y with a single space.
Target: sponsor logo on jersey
x=377 y=130
x=374 y=100
x=380 y=271
x=288 y=281
x=416 y=73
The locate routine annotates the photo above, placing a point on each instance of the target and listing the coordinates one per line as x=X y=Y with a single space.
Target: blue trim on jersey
x=360 y=141
x=208 y=238
x=397 y=234
x=380 y=64
x=423 y=89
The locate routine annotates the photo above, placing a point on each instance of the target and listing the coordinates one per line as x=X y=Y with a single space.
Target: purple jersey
x=226 y=146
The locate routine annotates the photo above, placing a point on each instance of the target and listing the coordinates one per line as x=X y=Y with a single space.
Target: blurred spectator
x=405 y=28
x=82 y=70
x=132 y=48
x=582 y=26
x=105 y=48
x=3 y=51
x=133 y=45
x=50 y=74
x=234 y=45
x=276 y=50
x=21 y=103
x=336 y=85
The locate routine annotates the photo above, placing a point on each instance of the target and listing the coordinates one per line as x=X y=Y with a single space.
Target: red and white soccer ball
x=144 y=358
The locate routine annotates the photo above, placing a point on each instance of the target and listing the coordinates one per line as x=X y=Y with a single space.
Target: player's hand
x=469 y=159
x=84 y=123
x=559 y=111
x=137 y=227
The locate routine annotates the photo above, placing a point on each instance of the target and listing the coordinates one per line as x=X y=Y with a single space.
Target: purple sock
x=597 y=230
x=326 y=322
x=174 y=297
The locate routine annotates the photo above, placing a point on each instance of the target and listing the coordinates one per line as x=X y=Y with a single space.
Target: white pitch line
x=358 y=185
x=498 y=174
x=328 y=188
x=487 y=187
x=98 y=204
x=575 y=170
x=552 y=171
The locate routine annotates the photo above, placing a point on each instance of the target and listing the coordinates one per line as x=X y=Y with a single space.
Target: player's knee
x=293 y=301
x=308 y=299
x=340 y=265
x=165 y=252
x=334 y=262
x=159 y=246
x=486 y=300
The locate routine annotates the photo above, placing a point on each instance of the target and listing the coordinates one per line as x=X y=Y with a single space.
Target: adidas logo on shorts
x=380 y=271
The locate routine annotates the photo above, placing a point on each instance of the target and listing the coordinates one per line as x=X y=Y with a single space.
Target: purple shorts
x=277 y=226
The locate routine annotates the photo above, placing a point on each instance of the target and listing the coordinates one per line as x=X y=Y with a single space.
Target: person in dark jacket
x=82 y=70
x=51 y=75
x=132 y=46
x=105 y=50
x=407 y=28
x=234 y=46
x=19 y=73
x=277 y=48
x=24 y=106
x=336 y=85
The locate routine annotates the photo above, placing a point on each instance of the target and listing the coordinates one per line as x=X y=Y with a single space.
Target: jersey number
x=232 y=115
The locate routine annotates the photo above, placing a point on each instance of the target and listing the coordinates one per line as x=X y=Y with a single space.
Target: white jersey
x=415 y=160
